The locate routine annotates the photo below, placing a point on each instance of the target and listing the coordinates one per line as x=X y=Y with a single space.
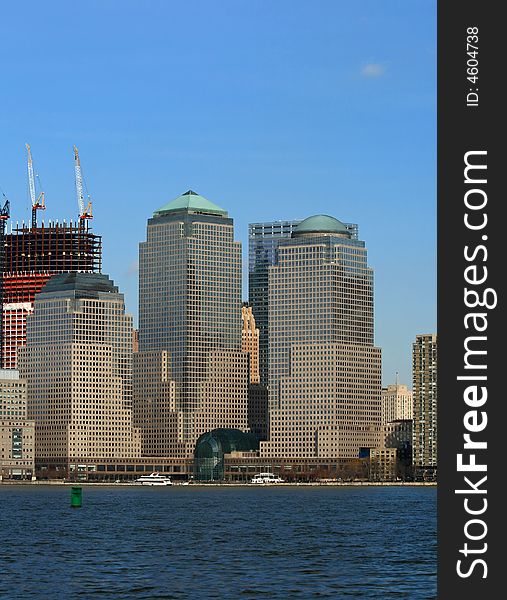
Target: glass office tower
x=190 y=306
x=263 y=241
x=324 y=371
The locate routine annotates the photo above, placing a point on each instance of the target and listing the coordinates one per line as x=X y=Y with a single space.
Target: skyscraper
x=324 y=371
x=424 y=371
x=78 y=363
x=190 y=307
x=263 y=241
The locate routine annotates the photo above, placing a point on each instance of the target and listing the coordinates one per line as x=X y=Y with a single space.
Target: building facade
x=78 y=363
x=32 y=256
x=257 y=392
x=190 y=307
x=250 y=342
x=324 y=371
x=397 y=403
x=383 y=464
x=17 y=432
x=425 y=390
x=263 y=241
x=399 y=434
x=154 y=405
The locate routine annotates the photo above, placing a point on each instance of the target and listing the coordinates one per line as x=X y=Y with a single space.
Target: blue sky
x=273 y=110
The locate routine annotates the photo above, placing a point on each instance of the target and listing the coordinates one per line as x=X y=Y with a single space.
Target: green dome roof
x=192 y=202
x=321 y=224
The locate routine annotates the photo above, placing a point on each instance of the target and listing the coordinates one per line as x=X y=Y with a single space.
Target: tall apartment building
x=17 y=432
x=425 y=390
x=190 y=307
x=263 y=241
x=397 y=403
x=324 y=371
x=32 y=256
x=78 y=363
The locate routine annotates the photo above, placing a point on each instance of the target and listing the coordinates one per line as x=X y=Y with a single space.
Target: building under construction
x=31 y=256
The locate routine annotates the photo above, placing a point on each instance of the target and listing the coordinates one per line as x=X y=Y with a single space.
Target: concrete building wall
x=224 y=395
x=329 y=404
x=154 y=405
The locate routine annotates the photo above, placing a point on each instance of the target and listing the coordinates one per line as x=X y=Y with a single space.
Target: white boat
x=266 y=478
x=154 y=479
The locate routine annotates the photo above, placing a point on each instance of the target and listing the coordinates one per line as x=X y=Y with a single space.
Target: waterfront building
x=212 y=446
x=425 y=390
x=383 y=464
x=32 y=256
x=397 y=403
x=17 y=432
x=78 y=363
x=324 y=370
x=190 y=307
x=263 y=241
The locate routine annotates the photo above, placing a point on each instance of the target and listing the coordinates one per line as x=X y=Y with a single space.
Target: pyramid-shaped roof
x=191 y=201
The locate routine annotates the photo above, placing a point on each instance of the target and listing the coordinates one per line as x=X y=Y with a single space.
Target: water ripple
x=226 y=543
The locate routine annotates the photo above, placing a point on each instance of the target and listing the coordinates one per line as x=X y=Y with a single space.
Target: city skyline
x=337 y=116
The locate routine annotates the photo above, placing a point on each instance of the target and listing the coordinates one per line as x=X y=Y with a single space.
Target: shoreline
x=229 y=485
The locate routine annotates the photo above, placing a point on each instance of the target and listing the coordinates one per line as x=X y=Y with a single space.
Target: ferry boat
x=154 y=479
x=266 y=478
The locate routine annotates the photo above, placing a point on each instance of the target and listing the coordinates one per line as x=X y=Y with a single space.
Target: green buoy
x=76 y=497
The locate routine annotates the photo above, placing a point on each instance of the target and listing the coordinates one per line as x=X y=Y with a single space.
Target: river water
x=218 y=542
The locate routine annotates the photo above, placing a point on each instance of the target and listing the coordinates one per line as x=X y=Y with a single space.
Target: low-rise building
x=383 y=464
x=17 y=432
